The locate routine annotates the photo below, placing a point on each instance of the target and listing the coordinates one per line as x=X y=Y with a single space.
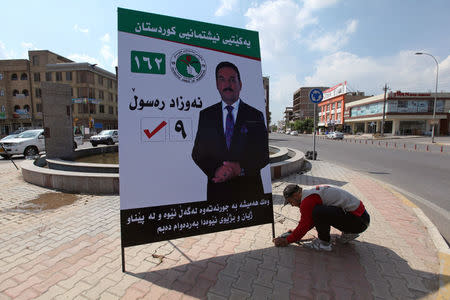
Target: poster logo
x=187 y=65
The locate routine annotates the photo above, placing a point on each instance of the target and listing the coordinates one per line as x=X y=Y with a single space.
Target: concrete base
x=71 y=182
x=100 y=179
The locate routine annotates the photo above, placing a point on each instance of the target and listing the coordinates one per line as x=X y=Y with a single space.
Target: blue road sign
x=315 y=95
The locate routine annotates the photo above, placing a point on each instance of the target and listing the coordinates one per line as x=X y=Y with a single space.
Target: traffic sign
x=315 y=95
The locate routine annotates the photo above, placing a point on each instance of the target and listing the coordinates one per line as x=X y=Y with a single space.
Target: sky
x=303 y=42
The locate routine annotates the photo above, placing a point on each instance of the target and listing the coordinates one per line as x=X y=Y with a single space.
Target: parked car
x=294 y=132
x=28 y=143
x=335 y=135
x=108 y=137
x=8 y=137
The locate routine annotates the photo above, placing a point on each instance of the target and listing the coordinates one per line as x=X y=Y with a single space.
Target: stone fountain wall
x=57 y=115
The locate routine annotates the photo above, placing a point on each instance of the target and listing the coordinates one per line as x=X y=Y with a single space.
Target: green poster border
x=205 y=35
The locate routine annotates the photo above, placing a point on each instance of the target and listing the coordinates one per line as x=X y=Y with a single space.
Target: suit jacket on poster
x=249 y=147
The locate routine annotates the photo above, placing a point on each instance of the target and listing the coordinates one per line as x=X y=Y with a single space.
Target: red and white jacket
x=323 y=195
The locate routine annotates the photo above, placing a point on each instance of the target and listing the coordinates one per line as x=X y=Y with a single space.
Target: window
x=101 y=108
x=38 y=107
x=37 y=77
x=110 y=97
x=38 y=92
x=85 y=77
x=16 y=107
x=83 y=108
x=111 y=110
x=91 y=93
x=68 y=76
x=71 y=92
x=333 y=106
x=100 y=80
x=339 y=105
x=116 y=98
x=48 y=76
x=2 y=92
x=24 y=76
x=1 y=76
x=82 y=92
x=110 y=83
x=26 y=107
x=91 y=108
x=14 y=76
x=15 y=92
x=101 y=95
x=35 y=60
x=25 y=92
x=58 y=76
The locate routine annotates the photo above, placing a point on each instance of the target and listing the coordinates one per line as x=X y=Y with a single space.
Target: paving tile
x=244 y=281
x=261 y=292
x=223 y=285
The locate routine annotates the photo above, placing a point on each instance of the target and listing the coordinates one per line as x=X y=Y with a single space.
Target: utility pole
x=384 y=108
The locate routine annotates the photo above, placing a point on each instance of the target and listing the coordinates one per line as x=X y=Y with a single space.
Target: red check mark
x=160 y=126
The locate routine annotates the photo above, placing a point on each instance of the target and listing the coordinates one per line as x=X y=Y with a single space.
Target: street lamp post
x=435 y=94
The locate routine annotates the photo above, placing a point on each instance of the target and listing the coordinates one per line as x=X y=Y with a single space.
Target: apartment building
x=94 y=92
x=302 y=107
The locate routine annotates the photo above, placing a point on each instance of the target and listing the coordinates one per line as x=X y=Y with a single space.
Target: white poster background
x=162 y=172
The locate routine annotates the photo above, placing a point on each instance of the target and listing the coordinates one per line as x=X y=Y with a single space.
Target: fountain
x=73 y=176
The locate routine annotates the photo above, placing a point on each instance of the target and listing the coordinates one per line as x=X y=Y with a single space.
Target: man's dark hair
x=226 y=64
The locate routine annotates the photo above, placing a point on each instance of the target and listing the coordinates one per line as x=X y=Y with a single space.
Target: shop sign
x=336 y=90
x=400 y=94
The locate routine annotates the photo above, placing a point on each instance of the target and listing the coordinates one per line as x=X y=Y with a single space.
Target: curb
x=438 y=241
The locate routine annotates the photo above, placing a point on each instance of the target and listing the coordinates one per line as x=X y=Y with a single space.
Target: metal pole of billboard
x=123 y=259
x=314 y=132
x=9 y=156
x=435 y=94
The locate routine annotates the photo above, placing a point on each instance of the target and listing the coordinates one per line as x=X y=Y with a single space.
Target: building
x=331 y=109
x=302 y=107
x=288 y=116
x=405 y=114
x=94 y=92
x=266 y=98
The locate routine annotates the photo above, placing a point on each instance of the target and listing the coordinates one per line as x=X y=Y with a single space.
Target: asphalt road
x=422 y=177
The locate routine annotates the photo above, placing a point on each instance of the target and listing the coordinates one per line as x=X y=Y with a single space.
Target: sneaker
x=318 y=245
x=347 y=237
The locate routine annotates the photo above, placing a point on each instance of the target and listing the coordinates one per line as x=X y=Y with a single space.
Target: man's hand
x=223 y=173
x=235 y=167
x=227 y=171
x=280 y=242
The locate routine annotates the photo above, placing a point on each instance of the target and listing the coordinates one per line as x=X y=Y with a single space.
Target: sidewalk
x=73 y=252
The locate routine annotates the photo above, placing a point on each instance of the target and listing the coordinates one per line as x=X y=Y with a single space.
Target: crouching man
x=322 y=207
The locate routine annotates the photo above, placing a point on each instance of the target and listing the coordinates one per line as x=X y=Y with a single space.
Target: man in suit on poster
x=231 y=145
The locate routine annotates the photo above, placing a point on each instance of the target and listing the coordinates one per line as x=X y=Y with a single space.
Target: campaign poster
x=193 y=144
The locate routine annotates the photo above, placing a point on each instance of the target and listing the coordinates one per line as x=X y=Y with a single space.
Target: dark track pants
x=326 y=216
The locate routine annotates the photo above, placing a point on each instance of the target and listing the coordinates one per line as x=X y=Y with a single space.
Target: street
x=422 y=177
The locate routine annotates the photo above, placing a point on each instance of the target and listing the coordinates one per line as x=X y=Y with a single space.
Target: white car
x=108 y=137
x=28 y=143
x=335 y=135
x=294 y=132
